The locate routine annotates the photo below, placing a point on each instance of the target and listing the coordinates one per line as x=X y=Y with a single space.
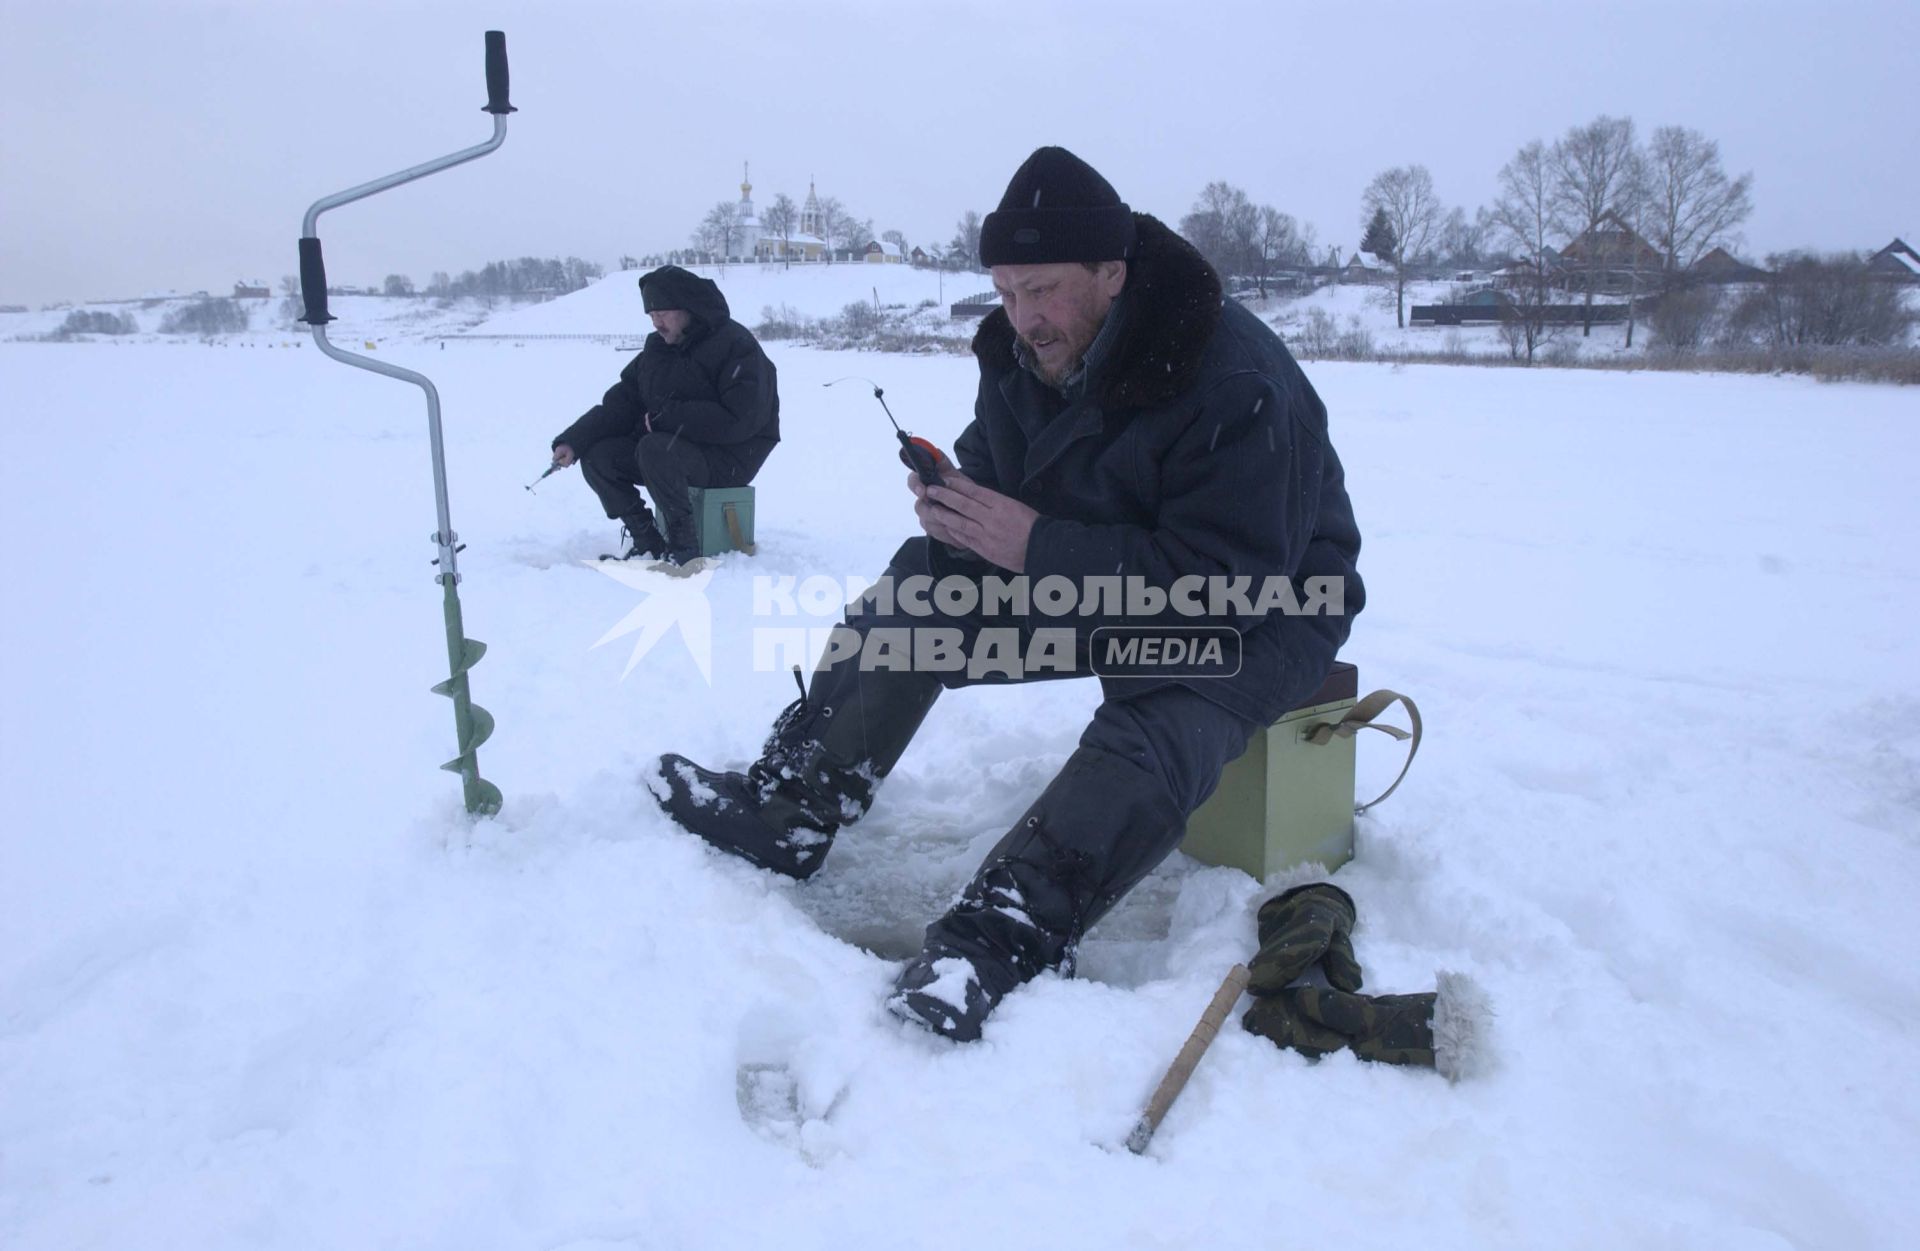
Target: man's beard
x=1052 y=377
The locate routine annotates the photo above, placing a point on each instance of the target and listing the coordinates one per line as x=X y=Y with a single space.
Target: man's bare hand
x=933 y=518
x=563 y=455
x=963 y=513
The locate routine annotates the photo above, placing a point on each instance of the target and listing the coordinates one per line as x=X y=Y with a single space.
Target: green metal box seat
x=725 y=518
x=1287 y=800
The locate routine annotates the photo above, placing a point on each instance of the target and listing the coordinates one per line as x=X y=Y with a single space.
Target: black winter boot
x=1100 y=826
x=817 y=771
x=644 y=540
x=682 y=542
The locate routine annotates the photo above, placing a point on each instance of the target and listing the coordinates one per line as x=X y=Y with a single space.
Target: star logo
x=671 y=602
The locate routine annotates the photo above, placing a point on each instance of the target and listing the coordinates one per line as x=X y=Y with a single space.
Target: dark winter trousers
x=1113 y=813
x=667 y=465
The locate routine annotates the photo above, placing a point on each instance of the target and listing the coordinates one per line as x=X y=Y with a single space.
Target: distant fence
x=1493 y=314
x=974 y=305
x=622 y=337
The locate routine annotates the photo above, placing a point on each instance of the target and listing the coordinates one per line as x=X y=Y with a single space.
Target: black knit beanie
x=1057 y=208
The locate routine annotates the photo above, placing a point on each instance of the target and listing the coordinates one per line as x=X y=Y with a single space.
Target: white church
x=806 y=242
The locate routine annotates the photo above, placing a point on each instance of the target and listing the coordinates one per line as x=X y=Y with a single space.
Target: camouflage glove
x=1305 y=926
x=1442 y=1030
x=1277 y=1019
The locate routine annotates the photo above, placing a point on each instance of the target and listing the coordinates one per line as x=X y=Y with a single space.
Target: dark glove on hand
x=1305 y=926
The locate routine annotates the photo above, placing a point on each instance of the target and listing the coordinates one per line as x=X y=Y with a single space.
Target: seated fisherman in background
x=698 y=407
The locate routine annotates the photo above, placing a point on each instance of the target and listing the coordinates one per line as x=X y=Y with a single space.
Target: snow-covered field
x=263 y=985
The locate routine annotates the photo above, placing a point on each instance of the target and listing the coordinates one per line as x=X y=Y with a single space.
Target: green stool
x=1289 y=799
x=725 y=518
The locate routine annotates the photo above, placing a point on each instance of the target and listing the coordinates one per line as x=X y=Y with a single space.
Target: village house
x=1365 y=267
x=1896 y=262
x=1722 y=267
x=1613 y=256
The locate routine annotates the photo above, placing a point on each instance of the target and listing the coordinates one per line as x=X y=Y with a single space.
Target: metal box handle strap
x=1361 y=717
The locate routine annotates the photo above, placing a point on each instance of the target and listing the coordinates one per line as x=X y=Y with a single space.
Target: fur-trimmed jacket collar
x=1172 y=298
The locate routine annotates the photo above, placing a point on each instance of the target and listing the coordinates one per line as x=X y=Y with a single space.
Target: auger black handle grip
x=313 y=282
x=497 y=73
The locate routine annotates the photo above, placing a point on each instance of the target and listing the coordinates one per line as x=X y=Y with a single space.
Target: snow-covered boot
x=1101 y=825
x=949 y=992
x=817 y=771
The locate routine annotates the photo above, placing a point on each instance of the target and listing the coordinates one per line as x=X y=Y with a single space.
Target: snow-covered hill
x=610 y=309
x=612 y=305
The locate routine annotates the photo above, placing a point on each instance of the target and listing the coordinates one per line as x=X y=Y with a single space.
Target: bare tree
x=1592 y=167
x=576 y=273
x=1825 y=301
x=964 y=250
x=1224 y=225
x=1405 y=193
x=1243 y=238
x=1204 y=229
x=1694 y=206
x=1525 y=217
x=1463 y=241
x=1682 y=320
x=1633 y=207
x=842 y=229
x=1306 y=247
x=779 y=221
x=291 y=309
x=718 y=229
x=1277 y=243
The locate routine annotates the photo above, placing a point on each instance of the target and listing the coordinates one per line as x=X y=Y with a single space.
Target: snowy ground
x=262 y=985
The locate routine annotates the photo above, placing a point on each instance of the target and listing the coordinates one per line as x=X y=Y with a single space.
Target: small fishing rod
x=917 y=454
x=552 y=469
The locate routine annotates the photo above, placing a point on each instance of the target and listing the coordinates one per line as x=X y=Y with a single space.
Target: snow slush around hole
x=881 y=887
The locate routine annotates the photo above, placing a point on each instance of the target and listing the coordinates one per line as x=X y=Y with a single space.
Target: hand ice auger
x=472 y=722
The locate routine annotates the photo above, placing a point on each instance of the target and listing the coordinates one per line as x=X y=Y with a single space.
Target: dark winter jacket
x=715 y=386
x=1192 y=444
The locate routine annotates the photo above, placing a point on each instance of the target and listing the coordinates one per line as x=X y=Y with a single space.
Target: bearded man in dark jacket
x=698 y=407
x=1133 y=429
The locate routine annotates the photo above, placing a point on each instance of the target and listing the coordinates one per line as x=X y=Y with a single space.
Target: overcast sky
x=178 y=143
